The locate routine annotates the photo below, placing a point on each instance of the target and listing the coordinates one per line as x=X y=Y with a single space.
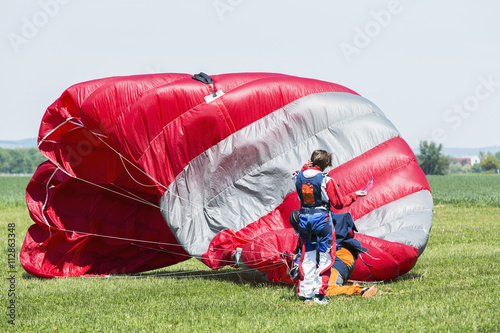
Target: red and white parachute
x=146 y=171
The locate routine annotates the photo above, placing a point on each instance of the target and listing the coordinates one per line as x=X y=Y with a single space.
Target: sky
x=433 y=67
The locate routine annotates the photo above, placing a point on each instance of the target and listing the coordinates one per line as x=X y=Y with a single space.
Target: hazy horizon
x=8 y=144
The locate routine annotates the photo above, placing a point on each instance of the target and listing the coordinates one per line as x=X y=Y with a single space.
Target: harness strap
x=305 y=210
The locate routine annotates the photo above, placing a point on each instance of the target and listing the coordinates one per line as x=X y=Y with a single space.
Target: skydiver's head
x=322 y=159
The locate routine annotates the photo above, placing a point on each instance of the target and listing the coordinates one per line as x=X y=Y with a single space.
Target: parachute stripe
x=250 y=172
x=407 y=220
x=395 y=169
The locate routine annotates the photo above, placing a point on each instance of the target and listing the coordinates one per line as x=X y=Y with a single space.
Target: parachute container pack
x=146 y=171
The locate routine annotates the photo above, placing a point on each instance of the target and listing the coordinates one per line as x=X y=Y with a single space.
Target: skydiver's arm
x=337 y=200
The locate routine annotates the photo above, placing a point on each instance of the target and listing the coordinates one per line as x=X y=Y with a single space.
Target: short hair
x=321 y=158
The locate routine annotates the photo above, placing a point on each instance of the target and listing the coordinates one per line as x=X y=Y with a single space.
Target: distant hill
x=465 y=152
x=25 y=143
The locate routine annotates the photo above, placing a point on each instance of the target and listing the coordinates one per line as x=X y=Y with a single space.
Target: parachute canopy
x=146 y=171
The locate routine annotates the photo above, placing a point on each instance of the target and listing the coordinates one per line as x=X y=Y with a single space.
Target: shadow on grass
x=28 y=276
x=254 y=277
x=407 y=276
x=237 y=276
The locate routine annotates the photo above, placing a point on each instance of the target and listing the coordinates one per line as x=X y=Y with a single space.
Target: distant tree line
x=20 y=160
x=430 y=159
x=433 y=162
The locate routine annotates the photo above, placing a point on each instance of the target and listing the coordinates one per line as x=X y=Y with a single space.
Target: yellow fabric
x=343 y=290
x=334 y=289
x=346 y=256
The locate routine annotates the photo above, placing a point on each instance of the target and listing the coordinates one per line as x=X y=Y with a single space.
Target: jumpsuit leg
x=325 y=258
x=308 y=269
x=322 y=276
x=316 y=259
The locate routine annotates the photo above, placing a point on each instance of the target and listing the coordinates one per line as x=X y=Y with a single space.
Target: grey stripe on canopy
x=407 y=220
x=247 y=175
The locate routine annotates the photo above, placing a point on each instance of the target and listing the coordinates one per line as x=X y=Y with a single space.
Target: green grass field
x=453 y=288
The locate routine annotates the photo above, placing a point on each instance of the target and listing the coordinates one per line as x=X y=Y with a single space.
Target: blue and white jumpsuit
x=315 y=233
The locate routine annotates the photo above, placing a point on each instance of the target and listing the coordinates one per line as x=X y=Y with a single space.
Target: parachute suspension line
x=183 y=274
x=54 y=129
x=167 y=189
x=131 y=196
x=122 y=158
x=139 y=169
x=135 y=180
x=288 y=268
x=99 y=134
x=272 y=255
x=264 y=241
x=131 y=240
x=196 y=257
x=135 y=197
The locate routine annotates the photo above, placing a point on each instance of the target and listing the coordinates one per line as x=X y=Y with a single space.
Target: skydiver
x=317 y=193
x=347 y=252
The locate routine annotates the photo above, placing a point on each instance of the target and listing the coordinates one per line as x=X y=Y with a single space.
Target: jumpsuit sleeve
x=337 y=200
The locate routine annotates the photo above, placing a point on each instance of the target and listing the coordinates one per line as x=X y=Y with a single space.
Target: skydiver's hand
x=361 y=193
x=306 y=166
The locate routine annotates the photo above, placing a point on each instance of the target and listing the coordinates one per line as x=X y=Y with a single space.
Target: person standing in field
x=317 y=193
